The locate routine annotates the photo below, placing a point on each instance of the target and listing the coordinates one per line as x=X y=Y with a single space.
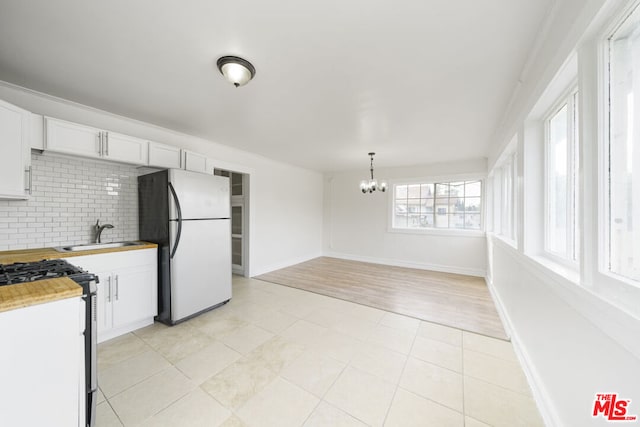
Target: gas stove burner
x=22 y=272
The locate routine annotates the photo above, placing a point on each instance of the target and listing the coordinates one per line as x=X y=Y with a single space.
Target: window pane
x=426 y=191
x=456 y=204
x=472 y=204
x=473 y=189
x=456 y=189
x=413 y=206
x=426 y=221
x=472 y=221
x=442 y=219
x=557 y=182
x=456 y=221
x=236 y=220
x=442 y=190
x=236 y=251
x=426 y=206
x=413 y=220
x=401 y=207
x=401 y=191
x=236 y=184
x=414 y=191
x=624 y=152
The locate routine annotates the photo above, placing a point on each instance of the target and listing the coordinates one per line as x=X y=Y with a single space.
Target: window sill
x=439 y=232
x=504 y=239
x=568 y=273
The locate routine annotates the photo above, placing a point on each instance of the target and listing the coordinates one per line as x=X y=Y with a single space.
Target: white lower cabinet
x=127 y=289
x=42 y=364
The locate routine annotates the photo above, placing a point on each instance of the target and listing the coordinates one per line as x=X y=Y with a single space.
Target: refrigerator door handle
x=179 y=212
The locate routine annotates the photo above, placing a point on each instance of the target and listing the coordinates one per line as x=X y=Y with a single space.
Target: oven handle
x=179 y=211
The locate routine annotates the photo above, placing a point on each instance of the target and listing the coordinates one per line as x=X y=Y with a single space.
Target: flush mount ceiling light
x=237 y=70
x=371 y=185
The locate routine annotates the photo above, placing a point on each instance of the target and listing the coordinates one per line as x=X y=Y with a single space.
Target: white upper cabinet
x=72 y=138
x=15 y=152
x=195 y=162
x=86 y=141
x=164 y=156
x=123 y=148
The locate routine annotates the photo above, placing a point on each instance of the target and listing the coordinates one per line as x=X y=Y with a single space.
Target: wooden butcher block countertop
x=41 y=291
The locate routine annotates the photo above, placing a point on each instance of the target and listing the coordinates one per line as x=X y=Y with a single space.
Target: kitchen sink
x=93 y=246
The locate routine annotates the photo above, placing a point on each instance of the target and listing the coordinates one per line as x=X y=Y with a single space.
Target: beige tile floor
x=278 y=356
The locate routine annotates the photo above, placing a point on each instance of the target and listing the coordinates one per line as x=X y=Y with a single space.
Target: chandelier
x=371 y=185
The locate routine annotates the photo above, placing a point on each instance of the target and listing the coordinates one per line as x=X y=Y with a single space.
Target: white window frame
x=434 y=180
x=566 y=257
x=608 y=279
x=505 y=196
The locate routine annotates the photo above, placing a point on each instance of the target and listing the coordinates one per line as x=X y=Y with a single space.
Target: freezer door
x=200 y=195
x=201 y=267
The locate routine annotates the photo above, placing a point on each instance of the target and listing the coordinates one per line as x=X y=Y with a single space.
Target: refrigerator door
x=200 y=195
x=201 y=267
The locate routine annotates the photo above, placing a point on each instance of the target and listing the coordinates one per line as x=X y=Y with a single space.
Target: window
x=507 y=174
x=504 y=197
x=561 y=166
x=456 y=205
x=623 y=152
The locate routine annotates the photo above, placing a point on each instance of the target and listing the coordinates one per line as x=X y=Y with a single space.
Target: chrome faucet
x=99 y=228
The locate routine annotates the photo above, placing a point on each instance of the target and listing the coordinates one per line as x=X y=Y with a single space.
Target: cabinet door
x=105 y=298
x=39 y=364
x=71 y=138
x=164 y=156
x=133 y=295
x=14 y=140
x=123 y=148
x=195 y=162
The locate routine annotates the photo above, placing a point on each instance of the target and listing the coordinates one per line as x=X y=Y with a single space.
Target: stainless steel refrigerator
x=188 y=215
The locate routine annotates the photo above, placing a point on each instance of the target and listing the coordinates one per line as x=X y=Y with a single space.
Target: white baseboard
x=409 y=264
x=283 y=264
x=502 y=313
x=541 y=397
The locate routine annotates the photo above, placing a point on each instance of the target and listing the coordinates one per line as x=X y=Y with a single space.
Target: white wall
x=573 y=340
x=356 y=225
x=285 y=202
x=567 y=358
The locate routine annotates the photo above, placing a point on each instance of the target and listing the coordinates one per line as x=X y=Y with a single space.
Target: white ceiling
x=417 y=81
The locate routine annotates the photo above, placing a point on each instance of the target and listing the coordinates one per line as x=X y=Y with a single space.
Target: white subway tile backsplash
x=69 y=195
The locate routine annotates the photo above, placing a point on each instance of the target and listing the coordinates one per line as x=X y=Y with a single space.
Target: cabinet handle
x=117 y=288
x=100 y=143
x=109 y=289
x=106 y=135
x=29 y=170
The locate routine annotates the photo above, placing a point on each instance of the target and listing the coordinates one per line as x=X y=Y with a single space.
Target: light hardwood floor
x=454 y=300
